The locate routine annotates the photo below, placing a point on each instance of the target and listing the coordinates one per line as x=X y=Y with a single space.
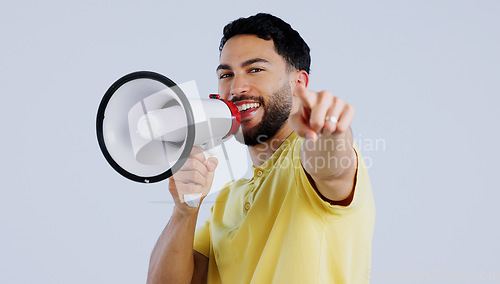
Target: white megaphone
x=147 y=127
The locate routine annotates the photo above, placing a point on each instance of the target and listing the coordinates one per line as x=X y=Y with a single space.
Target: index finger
x=307 y=97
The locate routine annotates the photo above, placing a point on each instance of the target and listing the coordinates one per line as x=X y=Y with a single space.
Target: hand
x=320 y=113
x=195 y=176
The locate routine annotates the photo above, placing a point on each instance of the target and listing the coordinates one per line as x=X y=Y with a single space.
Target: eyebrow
x=244 y=64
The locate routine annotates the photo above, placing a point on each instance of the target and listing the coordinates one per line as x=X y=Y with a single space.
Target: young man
x=307 y=214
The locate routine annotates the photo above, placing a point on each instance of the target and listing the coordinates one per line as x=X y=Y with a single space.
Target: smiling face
x=257 y=80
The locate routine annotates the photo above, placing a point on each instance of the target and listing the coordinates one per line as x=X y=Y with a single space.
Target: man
x=307 y=214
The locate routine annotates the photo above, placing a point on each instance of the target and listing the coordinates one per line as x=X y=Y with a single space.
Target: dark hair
x=287 y=41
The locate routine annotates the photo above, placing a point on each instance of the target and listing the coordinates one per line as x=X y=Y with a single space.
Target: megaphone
x=147 y=127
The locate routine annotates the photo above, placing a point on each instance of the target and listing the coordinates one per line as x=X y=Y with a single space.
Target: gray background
x=422 y=75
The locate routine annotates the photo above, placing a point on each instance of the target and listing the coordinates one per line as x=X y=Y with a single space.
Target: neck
x=262 y=152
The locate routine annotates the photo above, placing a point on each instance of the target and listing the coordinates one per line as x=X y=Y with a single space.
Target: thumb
x=173 y=190
x=211 y=164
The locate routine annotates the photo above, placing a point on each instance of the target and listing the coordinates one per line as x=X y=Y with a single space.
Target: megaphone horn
x=146 y=125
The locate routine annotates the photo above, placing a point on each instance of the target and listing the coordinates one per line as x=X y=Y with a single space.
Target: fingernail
x=211 y=166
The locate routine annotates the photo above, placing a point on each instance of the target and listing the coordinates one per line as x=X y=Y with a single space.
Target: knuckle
x=324 y=96
x=341 y=128
x=190 y=177
x=302 y=132
x=315 y=123
x=329 y=129
x=189 y=163
x=338 y=100
x=325 y=93
x=196 y=150
x=202 y=172
x=200 y=177
x=196 y=153
x=350 y=108
x=194 y=176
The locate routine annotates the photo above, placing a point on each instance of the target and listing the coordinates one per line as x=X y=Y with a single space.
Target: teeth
x=244 y=107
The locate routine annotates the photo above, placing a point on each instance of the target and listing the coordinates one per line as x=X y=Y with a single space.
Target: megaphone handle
x=193 y=200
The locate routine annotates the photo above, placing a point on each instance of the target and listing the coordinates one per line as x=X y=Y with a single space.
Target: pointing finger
x=307 y=97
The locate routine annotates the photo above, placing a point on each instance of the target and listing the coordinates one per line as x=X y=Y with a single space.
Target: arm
x=173 y=259
x=327 y=155
x=331 y=163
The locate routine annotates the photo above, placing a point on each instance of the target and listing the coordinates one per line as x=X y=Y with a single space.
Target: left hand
x=320 y=113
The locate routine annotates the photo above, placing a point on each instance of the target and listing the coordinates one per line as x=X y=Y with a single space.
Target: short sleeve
x=202 y=239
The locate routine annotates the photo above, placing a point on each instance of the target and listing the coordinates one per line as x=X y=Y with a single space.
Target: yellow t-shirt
x=275 y=228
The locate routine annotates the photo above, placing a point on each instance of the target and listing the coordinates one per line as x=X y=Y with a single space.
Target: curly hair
x=287 y=41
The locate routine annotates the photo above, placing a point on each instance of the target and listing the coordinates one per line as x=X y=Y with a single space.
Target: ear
x=303 y=78
x=300 y=77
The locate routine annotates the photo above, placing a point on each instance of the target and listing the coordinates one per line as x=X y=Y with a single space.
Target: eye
x=224 y=75
x=255 y=70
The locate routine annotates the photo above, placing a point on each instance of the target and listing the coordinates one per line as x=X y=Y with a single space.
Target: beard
x=276 y=113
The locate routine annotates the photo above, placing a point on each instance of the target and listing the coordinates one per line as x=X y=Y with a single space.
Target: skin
x=267 y=73
x=250 y=67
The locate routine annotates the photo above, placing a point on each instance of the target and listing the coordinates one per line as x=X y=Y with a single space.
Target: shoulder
x=230 y=189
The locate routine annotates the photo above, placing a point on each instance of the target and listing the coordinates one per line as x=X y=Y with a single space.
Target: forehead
x=241 y=48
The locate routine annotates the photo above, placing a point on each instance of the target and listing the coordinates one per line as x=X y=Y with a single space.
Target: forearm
x=172 y=258
x=329 y=156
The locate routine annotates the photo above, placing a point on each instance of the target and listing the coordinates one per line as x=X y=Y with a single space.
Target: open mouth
x=245 y=107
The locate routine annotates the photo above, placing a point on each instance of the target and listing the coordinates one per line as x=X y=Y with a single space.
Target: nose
x=239 y=86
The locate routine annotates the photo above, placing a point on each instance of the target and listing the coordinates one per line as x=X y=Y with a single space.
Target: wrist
x=183 y=210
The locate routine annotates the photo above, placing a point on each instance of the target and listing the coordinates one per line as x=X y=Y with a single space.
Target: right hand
x=195 y=176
